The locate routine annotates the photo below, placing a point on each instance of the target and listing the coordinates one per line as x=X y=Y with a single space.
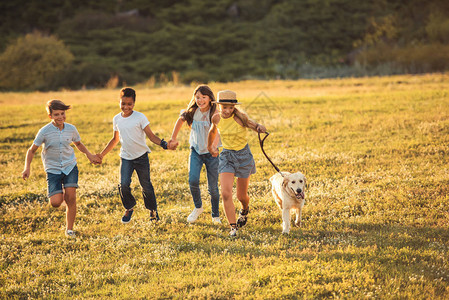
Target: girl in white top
x=198 y=117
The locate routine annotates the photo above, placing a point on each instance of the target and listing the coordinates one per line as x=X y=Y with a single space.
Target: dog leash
x=261 y=141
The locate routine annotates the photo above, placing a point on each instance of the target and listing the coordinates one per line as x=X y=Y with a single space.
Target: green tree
x=34 y=62
x=437 y=28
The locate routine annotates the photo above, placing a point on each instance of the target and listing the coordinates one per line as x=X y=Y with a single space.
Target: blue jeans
x=142 y=167
x=196 y=162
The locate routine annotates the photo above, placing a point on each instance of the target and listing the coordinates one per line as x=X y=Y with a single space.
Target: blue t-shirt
x=57 y=154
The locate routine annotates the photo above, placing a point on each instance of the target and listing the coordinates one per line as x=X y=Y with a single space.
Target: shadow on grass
x=393 y=235
x=16 y=198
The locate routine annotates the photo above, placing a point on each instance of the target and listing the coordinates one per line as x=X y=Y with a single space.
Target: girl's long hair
x=192 y=106
x=241 y=116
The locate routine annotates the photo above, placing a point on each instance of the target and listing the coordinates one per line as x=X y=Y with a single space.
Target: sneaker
x=70 y=233
x=154 y=216
x=233 y=232
x=216 y=220
x=127 y=216
x=243 y=217
x=194 y=215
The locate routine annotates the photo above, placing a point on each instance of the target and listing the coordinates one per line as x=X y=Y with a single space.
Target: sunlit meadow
x=375 y=223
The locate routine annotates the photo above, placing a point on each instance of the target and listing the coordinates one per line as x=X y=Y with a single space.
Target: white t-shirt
x=132 y=136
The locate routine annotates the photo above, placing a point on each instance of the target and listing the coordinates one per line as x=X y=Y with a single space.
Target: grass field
x=375 y=223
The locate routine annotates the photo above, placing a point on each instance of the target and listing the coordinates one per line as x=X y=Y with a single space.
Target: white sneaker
x=70 y=233
x=216 y=220
x=194 y=215
x=233 y=232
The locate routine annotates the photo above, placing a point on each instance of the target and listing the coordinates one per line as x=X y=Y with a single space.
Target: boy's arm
x=112 y=143
x=92 y=158
x=154 y=138
x=213 y=132
x=29 y=157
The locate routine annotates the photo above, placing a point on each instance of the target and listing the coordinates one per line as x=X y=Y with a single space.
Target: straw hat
x=226 y=97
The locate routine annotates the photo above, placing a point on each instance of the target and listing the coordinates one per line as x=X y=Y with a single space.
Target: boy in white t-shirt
x=130 y=128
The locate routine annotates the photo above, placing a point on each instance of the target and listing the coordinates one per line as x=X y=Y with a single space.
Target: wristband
x=164 y=144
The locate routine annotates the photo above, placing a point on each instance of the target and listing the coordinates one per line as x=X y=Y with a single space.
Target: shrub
x=195 y=76
x=437 y=28
x=409 y=59
x=33 y=62
x=91 y=74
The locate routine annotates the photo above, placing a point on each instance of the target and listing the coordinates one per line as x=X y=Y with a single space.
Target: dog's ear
x=285 y=182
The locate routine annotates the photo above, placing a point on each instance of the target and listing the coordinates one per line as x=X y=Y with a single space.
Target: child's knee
x=124 y=186
x=56 y=200
x=55 y=204
x=70 y=195
x=70 y=200
x=227 y=196
x=214 y=192
x=242 y=196
x=194 y=182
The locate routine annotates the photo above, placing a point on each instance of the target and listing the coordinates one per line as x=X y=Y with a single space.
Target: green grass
x=375 y=223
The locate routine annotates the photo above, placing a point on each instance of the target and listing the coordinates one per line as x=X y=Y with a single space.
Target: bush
x=195 y=76
x=437 y=28
x=92 y=74
x=33 y=62
x=409 y=59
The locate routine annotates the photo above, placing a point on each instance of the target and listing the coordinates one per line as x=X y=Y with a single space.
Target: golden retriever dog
x=288 y=192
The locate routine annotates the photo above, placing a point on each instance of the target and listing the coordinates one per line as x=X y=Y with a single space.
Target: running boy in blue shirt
x=130 y=128
x=59 y=159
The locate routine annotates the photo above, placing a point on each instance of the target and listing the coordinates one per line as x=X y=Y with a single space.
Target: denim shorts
x=56 y=181
x=239 y=162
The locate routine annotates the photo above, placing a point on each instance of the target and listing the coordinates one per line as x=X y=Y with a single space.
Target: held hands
x=95 y=159
x=213 y=151
x=172 y=144
x=98 y=159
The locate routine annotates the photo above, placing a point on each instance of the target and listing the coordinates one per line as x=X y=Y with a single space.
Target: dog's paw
x=285 y=232
x=298 y=224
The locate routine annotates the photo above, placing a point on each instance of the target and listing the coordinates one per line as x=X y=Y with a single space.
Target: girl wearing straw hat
x=236 y=159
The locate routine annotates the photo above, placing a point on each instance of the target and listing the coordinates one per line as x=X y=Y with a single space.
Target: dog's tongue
x=300 y=195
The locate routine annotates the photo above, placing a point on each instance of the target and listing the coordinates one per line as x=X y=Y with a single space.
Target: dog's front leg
x=298 y=217
x=285 y=220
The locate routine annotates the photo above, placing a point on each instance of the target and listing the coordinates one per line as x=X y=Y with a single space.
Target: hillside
x=227 y=40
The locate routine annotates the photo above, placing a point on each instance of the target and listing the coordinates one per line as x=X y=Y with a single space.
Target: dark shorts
x=239 y=162
x=55 y=182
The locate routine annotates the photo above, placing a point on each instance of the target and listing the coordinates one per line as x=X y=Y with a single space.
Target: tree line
x=72 y=44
